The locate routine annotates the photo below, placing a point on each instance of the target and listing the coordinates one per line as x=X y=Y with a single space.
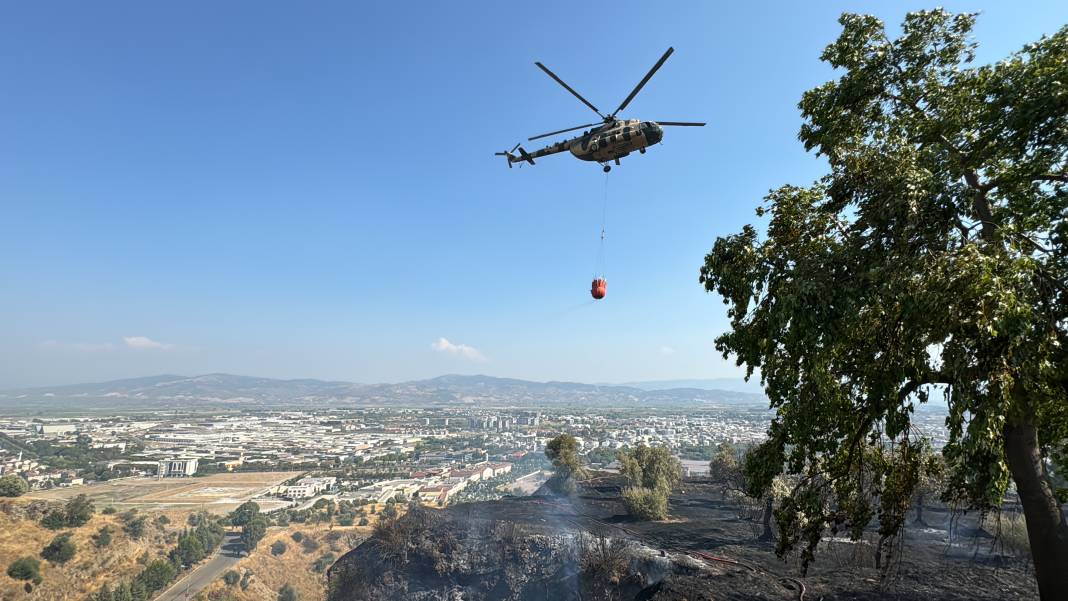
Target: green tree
x=244 y=513
x=60 y=550
x=13 y=485
x=25 y=568
x=725 y=468
x=933 y=254
x=134 y=525
x=563 y=452
x=156 y=575
x=253 y=532
x=650 y=467
x=79 y=510
x=231 y=577
x=189 y=550
x=278 y=547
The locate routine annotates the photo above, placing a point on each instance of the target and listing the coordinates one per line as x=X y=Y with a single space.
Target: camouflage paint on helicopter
x=610 y=140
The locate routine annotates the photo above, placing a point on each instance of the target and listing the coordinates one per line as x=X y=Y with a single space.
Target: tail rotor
x=511 y=158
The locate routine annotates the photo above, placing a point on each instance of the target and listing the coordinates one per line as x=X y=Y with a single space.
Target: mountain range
x=215 y=390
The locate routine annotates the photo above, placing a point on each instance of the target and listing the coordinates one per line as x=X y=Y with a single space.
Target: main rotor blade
x=562 y=131
x=644 y=80
x=568 y=88
x=681 y=123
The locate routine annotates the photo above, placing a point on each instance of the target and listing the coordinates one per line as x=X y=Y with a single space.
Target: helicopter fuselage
x=615 y=140
x=608 y=142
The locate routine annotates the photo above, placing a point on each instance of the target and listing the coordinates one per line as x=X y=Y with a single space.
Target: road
x=229 y=553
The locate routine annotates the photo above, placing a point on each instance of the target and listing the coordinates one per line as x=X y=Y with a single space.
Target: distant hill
x=214 y=390
x=732 y=384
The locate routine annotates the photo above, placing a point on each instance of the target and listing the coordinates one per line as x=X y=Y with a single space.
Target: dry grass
x=270 y=572
x=90 y=568
x=218 y=493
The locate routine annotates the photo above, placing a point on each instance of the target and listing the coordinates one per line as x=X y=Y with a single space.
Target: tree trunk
x=919 y=509
x=768 y=533
x=1046 y=526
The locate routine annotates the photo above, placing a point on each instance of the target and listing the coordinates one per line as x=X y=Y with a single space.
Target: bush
x=364 y=522
x=309 y=544
x=134 y=525
x=646 y=503
x=54 y=520
x=346 y=520
x=79 y=510
x=109 y=510
x=324 y=561
x=157 y=575
x=102 y=538
x=287 y=593
x=13 y=486
x=25 y=568
x=60 y=550
x=231 y=577
x=278 y=548
x=297 y=536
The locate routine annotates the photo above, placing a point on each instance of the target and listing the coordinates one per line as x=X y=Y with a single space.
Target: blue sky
x=310 y=191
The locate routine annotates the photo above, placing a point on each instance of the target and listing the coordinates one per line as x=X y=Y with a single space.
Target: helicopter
x=607 y=141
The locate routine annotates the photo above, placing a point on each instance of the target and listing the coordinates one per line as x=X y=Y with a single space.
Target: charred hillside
x=586 y=547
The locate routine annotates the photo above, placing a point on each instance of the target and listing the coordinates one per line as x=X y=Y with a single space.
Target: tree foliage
x=650 y=467
x=13 y=485
x=253 y=532
x=932 y=255
x=60 y=549
x=646 y=503
x=563 y=452
x=25 y=568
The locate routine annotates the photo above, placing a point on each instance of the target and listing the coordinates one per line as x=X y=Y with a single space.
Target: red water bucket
x=599 y=289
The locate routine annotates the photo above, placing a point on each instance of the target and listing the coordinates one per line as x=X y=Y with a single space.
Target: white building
x=170 y=468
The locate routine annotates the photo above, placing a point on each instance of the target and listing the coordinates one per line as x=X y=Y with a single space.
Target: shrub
x=79 y=510
x=323 y=562
x=346 y=520
x=54 y=520
x=309 y=544
x=109 y=510
x=25 y=568
x=102 y=538
x=278 y=548
x=287 y=593
x=60 y=550
x=231 y=577
x=364 y=522
x=13 y=485
x=297 y=536
x=157 y=575
x=646 y=503
x=134 y=525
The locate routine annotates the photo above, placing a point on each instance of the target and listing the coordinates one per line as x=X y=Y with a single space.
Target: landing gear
x=641 y=150
x=607 y=168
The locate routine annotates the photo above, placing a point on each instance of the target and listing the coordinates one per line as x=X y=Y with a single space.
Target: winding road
x=188 y=586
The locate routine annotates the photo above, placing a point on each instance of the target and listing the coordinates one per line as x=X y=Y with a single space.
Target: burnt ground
x=930 y=565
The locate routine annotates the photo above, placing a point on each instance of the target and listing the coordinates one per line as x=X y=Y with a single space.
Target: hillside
x=586 y=547
x=225 y=390
x=91 y=567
